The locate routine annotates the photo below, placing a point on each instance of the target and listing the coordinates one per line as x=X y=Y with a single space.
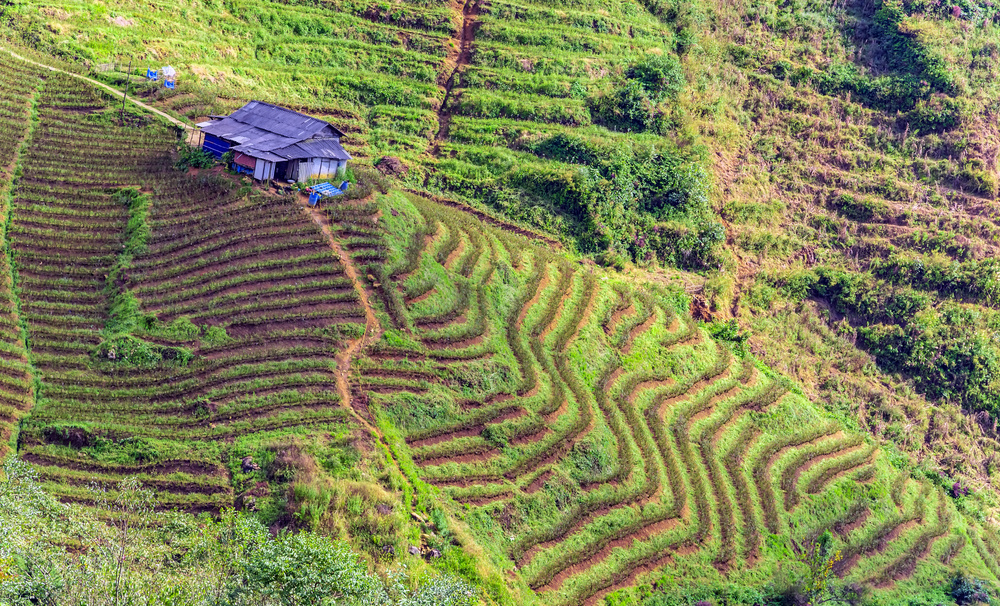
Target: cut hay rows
x=525 y=383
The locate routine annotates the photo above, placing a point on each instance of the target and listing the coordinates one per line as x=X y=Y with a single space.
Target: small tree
x=29 y=565
x=228 y=158
x=129 y=506
x=193 y=157
x=817 y=587
x=660 y=75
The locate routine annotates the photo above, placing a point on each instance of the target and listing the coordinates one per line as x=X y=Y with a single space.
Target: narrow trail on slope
x=373 y=332
x=373 y=329
x=114 y=91
x=470 y=23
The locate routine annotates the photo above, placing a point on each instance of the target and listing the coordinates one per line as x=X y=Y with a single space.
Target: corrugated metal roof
x=264 y=141
x=226 y=128
x=280 y=120
x=315 y=148
x=259 y=153
x=277 y=134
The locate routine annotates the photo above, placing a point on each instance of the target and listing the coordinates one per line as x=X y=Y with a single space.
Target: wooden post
x=128 y=80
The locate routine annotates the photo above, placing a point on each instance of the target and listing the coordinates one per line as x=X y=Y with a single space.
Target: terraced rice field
x=453 y=87
x=375 y=69
x=598 y=433
x=586 y=425
x=241 y=298
x=528 y=71
x=18 y=84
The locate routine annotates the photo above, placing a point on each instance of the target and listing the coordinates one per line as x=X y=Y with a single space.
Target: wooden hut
x=271 y=142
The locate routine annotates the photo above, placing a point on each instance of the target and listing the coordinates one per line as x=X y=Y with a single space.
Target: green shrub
x=628 y=108
x=137 y=231
x=979 y=180
x=661 y=76
x=300 y=569
x=866 y=209
x=730 y=332
x=228 y=559
x=193 y=157
x=934 y=115
x=947 y=350
x=905 y=53
x=127 y=350
x=967 y=590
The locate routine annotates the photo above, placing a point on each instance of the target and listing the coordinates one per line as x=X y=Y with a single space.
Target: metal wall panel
x=215 y=145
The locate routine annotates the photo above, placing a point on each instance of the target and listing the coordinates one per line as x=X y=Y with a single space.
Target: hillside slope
x=163 y=314
x=585 y=429
x=598 y=436
x=825 y=173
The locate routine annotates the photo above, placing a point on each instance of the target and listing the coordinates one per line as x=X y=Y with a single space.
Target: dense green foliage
x=950 y=350
x=143 y=557
x=194 y=157
x=644 y=203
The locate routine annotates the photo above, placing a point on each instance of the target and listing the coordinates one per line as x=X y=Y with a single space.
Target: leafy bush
x=978 y=180
x=566 y=147
x=934 y=115
x=137 y=231
x=905 y=53
x=306 y=569
x=889 y=92
x=661 y=76
x=916 y=73
x=232 y=560
x=730 y=332
x=628 y=108
x=126 y=350
x=193 y=157
x=945 y=352
x=948 y=350
x=865 y=209
x=634 y=105
x=966 y=590
x=637 y=202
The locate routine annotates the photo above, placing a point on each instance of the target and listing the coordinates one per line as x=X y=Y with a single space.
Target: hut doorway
x=281 y=171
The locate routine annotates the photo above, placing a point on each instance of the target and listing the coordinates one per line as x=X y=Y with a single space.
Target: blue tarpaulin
x=325 y=190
